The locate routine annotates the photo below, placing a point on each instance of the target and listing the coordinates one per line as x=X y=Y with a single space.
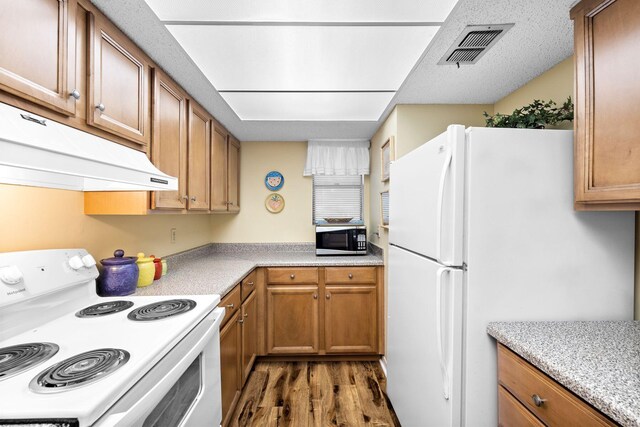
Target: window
x=336 y=197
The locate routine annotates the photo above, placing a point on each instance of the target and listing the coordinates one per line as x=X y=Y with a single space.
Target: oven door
x=183 y=389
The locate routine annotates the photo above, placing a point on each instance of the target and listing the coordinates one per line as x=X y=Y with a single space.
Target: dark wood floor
x=320 y=394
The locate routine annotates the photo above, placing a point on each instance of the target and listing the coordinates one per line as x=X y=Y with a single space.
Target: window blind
x=384 y=202
x=338 y=196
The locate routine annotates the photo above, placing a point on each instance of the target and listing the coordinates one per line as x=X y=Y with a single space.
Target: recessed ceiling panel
x=295 y=58
x=304 y=10
x=308 y=106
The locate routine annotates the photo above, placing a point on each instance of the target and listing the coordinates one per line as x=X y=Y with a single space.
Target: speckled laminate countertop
x=217 y=268
x=598 y=361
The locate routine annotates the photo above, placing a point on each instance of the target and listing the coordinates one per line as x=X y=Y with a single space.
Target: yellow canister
x=147 y=270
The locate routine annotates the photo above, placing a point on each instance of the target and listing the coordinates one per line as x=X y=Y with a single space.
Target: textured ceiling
x=542 y=37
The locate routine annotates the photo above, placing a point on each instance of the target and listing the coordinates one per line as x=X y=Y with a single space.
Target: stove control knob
x=11 y=275
x=75 y=262
x=88 y=261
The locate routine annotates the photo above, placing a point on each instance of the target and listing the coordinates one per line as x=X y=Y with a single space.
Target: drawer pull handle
x=537 y=400
x=250 y=284
x=230 y=305
x=241 y=321
x=350 y=276
x=293 y=276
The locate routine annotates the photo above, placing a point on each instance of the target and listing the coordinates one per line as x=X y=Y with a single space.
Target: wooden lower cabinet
x=292 y=319
x=528 y=397
x=350 y=320
x=249 y=333
x=231 y=381
x=331 y=310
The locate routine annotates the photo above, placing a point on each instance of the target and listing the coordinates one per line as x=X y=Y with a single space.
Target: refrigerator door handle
x=443 y=365
x=440 y=207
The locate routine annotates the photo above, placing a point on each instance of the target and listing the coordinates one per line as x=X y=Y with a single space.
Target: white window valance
x=337 y=157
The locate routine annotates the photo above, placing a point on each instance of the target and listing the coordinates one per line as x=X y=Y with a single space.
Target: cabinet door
x=607 y=156
x=199 y=152
x=249 y=335
x=219 y=170
x=37 y=52
x=169 y=143
x=118 y=87
x=292 y=319
x=230 y=345
x=233 y=174
x=350 y=319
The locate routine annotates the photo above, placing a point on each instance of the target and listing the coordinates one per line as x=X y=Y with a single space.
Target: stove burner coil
x=104 y=309
x=21 y=357
x=162 y=309
x=79 y=370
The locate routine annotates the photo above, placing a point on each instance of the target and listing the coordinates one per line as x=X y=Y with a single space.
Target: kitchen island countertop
x=598 y=361
x=216 y=269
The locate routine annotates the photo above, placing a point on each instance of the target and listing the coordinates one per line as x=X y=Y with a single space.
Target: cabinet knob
x=230 y=305
x=193 y=199
x=328 y=296
x=241 y=321
x=75 y=94
x=230 y=203
x=101 y=107
x=315 y=296
x=537 y=400
x=293 y=276
x=350 y=276
x=185 y=197
x=246 y=315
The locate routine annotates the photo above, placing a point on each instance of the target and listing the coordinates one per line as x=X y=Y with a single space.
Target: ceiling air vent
x=474 y=41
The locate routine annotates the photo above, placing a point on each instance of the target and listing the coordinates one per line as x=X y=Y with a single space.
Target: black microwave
x=341 y=240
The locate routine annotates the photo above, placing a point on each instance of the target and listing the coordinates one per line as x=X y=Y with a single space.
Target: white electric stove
x=71 y=358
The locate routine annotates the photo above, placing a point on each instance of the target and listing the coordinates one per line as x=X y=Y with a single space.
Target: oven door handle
x=146 y=403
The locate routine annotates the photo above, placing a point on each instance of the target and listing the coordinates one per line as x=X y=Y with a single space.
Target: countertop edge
x=598 y=402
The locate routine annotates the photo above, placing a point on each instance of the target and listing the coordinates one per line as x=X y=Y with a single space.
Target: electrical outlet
x=173 y=235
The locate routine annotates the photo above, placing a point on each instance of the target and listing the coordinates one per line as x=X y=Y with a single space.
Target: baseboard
x=383 y=365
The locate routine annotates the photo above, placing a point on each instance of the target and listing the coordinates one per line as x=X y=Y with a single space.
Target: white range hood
x=43 y=153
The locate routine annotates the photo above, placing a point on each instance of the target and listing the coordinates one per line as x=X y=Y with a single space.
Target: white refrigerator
x=482 y=228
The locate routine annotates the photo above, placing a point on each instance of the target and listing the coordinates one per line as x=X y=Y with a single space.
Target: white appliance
x=39 y=152
x=69 y=357
x=482 y=228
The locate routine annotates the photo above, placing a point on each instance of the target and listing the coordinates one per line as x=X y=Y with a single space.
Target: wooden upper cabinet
x=199 y=146
x=38 y=52
x=233 y=174
x=225 y=172
x=169 y=143
x=118 y=84
x=219 y=170
x=607 y=153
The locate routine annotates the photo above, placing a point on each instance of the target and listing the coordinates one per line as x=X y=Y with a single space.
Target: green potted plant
x=537 y=115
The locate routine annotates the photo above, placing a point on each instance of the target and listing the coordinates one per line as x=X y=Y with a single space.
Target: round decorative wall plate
x=274 y=180
x=274 y=203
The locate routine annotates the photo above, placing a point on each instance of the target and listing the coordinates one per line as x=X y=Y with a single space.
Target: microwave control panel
x=362 y=241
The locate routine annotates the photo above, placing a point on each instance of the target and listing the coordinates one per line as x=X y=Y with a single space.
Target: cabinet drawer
x=350 y=275
x=283 y=276
x=560 y=406
x=511 y=413
x=231 y=303
x=248 y=284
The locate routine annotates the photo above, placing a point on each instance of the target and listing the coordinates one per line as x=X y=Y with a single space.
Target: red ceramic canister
x=157 y=263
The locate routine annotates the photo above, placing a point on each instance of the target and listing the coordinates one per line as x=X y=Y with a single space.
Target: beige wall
x=38 y=218
x=556 y=84
x=418 y=124
x=254 y=223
